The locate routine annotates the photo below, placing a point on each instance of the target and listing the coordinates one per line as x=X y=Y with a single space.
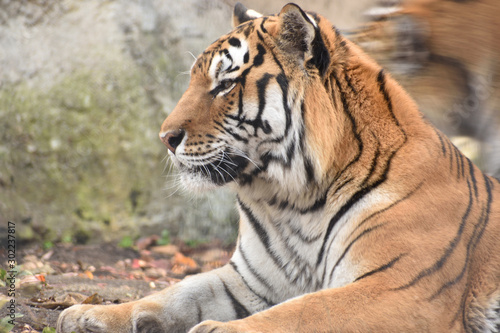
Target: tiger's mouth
x=227 y=168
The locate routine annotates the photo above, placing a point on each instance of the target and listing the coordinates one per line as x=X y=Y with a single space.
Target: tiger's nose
x=172 y=139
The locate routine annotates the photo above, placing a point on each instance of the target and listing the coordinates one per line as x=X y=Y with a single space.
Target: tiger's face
x=237 y=120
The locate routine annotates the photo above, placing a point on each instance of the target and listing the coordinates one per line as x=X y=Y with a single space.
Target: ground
x=50 y=280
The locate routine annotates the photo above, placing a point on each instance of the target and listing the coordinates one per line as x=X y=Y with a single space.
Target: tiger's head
x=244 y=115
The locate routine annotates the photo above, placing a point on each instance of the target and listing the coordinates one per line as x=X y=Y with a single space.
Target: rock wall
x=84 y=88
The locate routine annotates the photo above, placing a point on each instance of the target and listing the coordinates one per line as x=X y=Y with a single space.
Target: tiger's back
x=355 y=213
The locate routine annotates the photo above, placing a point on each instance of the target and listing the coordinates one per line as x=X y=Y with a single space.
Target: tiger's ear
x=299 y=35
x=241 y=14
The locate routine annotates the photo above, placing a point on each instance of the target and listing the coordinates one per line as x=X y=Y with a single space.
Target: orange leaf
x=40 y=277
x=93 y=299
x=89 y=274
x=180 y=259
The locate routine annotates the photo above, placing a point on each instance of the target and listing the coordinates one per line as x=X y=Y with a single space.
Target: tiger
x=446 y=54
x=356 y=214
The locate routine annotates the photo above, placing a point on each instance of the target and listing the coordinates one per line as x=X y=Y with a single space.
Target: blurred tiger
x=356 y=214
x=446 y=54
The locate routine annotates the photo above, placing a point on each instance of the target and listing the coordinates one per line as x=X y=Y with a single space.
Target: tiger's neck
x=361 y=122
x=352 y=125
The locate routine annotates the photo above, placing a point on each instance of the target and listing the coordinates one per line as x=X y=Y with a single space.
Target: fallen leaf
x=40 y=277
x=61 y=302
x=89 y=274
x=93 y=299
x=180 y=259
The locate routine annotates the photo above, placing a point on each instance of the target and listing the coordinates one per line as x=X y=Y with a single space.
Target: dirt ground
x=50 y=280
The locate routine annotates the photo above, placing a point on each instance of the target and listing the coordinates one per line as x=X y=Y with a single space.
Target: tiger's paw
x=107 y=318
x=81 y=318
x=215 y=327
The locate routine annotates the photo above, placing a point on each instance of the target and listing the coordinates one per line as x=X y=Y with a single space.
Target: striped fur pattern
x=356 y=214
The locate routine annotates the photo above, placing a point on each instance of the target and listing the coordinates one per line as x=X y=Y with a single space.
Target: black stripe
x=448 y=251
x=234 y=69
x=473 y=178
x=373 y=163
x=318 y=204
x=283 y=83
x=386 y=208
x=249 y=29
x=240 y=104
x=271 y=51
x=230 y=132
x=381 y=81
x=260 y=231
x=285 y=161
x=462 y=163
x=361 y=235
x=461 y=307
x=264 y=299
x=309 y=169
x=308 y=165
x=252 y=270
x=443 y=147
x=264 y=19
x=450 y=147
x=239 y=309
x=262 y=84
x=354 y=129
x=342 y=184
x=290 y=153
x=219 y=127
x=381 y=268
x=474 y=240
x=199 y=312
x=302 y=237
x=457 y=160
x=259 y=58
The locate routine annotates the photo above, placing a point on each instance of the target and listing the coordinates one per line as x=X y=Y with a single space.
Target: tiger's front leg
x=218 y=295
x=368 y=306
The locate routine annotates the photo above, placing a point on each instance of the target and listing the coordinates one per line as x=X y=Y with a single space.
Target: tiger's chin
x=197 y=183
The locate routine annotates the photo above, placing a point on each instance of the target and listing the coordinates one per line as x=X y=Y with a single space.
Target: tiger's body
x=446 y=54
x=356 y=214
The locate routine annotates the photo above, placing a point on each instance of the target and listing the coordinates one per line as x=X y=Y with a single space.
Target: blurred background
x=85 y=86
